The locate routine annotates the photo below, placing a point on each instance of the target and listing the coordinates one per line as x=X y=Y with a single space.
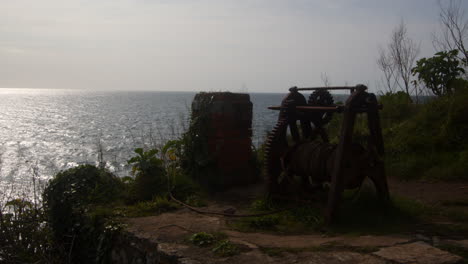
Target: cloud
x=198 y=44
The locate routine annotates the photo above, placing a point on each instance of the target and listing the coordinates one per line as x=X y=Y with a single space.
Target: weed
x=202 y=239
x=221 y=245
x=264 y=204
x=156 y=206
x=267 y=222
x=150 y=175
x=308 y=215
x=195 y=200
x=225 y=248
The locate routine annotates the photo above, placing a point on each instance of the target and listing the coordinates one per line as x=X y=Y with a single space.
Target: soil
x=430 y=192
x=172 y=230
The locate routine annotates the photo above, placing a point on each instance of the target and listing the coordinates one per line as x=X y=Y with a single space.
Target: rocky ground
x=169 y=234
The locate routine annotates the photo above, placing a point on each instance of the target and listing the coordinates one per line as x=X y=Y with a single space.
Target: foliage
x=439 y=71
x=69 y=200
x=421 y=140
x=156 y=206
x=361 y=130
x=181 y=185
x=156 y=176
x=202 y=239
x=225 y=248
x=24 y=237
x=308 y=215
x=298 y=218
x=258 y=162
x=263 y=205
x=78 y=221
x=264 y=222
x=195 y=200
x=221 y=246
x=396 y=108
x=110 y=231
x=194 y=151
x=432 y=142
x=150 y=175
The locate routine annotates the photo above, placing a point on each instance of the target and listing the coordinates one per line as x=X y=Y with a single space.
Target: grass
x=202 y=239
x=267 y=222
x=218 y=242
x=226 y=248
x=363 y=214
x=360 y=214
x=156 y=206
x=296 y=220
x=195 y=200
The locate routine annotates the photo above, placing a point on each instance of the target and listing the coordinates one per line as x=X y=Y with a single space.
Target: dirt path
x=170 y=232
x=430 y=192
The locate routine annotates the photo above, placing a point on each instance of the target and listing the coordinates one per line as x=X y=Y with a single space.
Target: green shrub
x=194 y=153
x=69 y=200
x=23 y=236
x=432 y=143
x=397 y=107
x=439 y=72
x=183 y=187
x=150 y=175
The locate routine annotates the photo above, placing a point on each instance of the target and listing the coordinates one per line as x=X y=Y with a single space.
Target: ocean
x=44 y=131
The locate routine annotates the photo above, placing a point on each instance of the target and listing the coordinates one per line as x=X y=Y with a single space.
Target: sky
x=202 y=45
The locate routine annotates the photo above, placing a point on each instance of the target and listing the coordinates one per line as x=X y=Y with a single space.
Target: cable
x=225 y=214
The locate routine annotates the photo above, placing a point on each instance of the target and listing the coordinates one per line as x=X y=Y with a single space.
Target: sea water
x=44 y=131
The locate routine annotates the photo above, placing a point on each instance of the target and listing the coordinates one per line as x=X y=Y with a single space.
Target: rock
x=375 y=241
x=458 y=243
x=338 y=257
x=230 y=210
x=174 y=250
x=188 y=261
x=417 y=252
x=279 y=241
x=435 y=241
x=422 y=238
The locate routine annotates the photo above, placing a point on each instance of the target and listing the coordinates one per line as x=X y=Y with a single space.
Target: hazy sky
x=210 y=45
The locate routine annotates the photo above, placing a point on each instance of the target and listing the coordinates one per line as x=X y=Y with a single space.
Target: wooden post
x=376 y=146
x=342 y=153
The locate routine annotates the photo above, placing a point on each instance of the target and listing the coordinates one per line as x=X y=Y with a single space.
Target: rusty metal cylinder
x=314 y=161
x=229 y=136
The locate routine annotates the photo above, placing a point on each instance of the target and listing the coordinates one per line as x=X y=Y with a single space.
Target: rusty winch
x=306 y=153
